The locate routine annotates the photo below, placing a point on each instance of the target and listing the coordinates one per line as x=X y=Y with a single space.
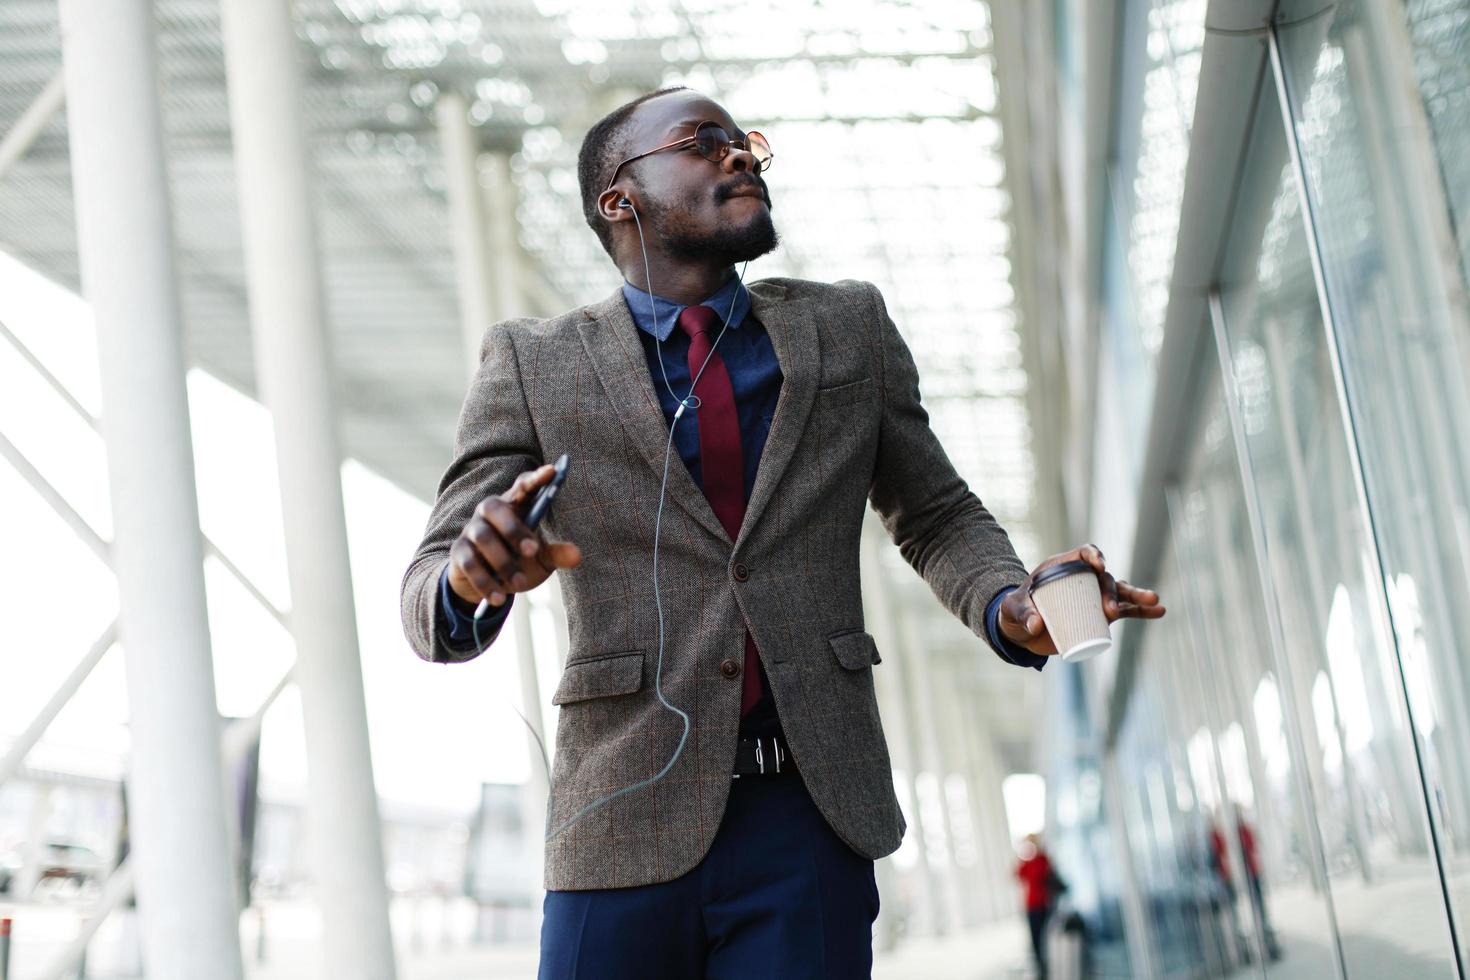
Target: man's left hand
x=1021 y=622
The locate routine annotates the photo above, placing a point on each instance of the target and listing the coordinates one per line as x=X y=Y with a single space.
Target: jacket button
x=730 y=667
x=741 y=572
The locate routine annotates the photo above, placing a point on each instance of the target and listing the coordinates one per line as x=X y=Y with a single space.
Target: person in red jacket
x=1252 y=862
x=1041 y=886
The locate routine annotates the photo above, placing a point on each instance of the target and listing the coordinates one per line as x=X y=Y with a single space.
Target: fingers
x=1120 y=600
x=560 y=554
x=526 y=485
x=1019 y=610
x=1093 y=555
x=1133 y=594
x=497 y=554
x=1130 y=602
x=1109 y=587
x=501 y=516
x=486 y=552
x=470 y=565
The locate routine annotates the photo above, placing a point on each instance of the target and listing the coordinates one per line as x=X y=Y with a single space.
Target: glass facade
x=1290 y=752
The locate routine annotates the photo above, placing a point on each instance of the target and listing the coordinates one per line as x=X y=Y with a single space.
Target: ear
x=610 y=205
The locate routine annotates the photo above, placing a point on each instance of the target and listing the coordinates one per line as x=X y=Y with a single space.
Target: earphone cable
x=688 y=401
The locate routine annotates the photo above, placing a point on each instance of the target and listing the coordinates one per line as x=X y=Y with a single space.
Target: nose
x=740 y=161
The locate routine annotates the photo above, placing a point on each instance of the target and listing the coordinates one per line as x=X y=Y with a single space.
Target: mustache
x=728 y=189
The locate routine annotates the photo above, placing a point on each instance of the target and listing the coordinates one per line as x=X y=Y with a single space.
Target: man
x=753 y=854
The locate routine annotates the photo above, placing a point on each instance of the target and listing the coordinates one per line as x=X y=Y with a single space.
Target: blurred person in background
x=790 y=406
x=1041 y=887
x=1221 y=862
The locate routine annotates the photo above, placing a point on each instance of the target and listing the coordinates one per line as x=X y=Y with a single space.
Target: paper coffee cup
x=1070 y=601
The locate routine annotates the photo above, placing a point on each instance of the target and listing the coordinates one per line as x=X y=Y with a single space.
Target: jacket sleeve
x=494 y=442
x=940 y=527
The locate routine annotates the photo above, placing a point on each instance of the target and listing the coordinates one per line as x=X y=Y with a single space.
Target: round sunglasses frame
x=720 y=149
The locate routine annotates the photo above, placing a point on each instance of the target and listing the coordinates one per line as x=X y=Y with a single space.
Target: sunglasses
x=714 y=144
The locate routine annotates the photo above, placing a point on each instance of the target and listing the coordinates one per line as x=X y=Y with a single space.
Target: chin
x=730 y=244
x=758 y=238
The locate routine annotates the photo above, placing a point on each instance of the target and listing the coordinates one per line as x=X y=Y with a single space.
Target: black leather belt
x=767 y=756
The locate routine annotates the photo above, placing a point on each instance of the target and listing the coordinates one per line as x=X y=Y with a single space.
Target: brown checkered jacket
x=848 y=430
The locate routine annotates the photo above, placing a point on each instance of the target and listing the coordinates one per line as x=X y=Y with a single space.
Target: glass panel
x=1221 y=938
x=1342 y=678
x=1214 y=742
x=1162 y=41
x=1152 y=816
x=1079 y=833
x=1272 y=883
x=1439 y=32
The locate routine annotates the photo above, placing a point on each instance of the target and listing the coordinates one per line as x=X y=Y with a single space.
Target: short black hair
x=603 y=148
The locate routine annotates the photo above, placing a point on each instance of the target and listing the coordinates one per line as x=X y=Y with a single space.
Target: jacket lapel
x=611 y=340
x=793 y=333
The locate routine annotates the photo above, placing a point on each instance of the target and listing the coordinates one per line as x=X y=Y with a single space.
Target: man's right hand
x=496 y=554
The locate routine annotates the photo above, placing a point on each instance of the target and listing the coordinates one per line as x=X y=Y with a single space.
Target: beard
x=726 y=245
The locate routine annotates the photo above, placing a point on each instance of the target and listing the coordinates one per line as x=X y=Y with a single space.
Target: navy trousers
x=779 y=896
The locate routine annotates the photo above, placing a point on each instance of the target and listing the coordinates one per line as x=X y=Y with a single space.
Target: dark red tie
x=721 y=460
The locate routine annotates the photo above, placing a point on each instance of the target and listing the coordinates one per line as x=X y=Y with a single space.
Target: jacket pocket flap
x=855 y=649
x=846 y=394
x=601 y=677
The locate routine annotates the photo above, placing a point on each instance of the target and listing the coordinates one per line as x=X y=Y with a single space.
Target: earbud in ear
x=625 y=203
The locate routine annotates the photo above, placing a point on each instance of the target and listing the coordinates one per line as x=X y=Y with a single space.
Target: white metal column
x=507 y=272
x=992 y=830
x=485 y=261
x=903 y=735
x=186 y=888
x=954 y=714
x=457 y=138
x=921 y=665
x=288 y=321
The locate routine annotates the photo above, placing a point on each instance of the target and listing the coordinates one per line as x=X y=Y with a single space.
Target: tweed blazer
x=848 y=430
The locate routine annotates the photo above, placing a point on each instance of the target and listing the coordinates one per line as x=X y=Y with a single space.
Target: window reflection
x=1295 y=757
x=1379 y=95
x=1359 y=769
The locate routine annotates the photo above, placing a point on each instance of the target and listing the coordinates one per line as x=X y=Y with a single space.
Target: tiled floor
x=997 y=952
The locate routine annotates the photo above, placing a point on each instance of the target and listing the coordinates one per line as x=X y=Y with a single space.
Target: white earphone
x=688 y=401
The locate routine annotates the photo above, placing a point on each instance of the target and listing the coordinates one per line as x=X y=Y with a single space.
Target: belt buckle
x=778 y=756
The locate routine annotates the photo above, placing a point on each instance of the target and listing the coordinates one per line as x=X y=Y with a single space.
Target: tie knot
x=697 y=320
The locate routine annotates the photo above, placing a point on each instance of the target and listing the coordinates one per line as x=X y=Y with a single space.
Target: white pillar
x=992 y=830
x=486 y=282
x=537 y=788
x=507 y=274
x=963 y=721
x=288 y=321
x=486 y=262
x=34 y=855
x=500 y=276
x=459 y=142
x=922 y=666
x=902 y=735
x=186 y=890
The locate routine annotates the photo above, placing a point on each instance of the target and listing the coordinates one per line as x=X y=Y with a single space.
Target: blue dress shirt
x=755 y=376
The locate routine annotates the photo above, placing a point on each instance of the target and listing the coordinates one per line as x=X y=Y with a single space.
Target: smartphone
x=539 y=508
x=547 y=494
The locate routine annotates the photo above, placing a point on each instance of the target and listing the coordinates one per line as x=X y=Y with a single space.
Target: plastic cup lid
x=1059 y=571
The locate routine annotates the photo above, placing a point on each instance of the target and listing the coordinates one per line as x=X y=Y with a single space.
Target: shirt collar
x=668 y=311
